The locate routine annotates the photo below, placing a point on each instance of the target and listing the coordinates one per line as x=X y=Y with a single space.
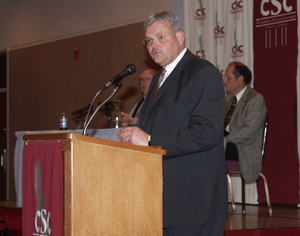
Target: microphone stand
x=80 y=114
x=116 y=88
x=108 y=108
x=77 y=120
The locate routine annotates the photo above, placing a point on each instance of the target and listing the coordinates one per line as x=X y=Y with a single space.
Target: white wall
x=34 y=21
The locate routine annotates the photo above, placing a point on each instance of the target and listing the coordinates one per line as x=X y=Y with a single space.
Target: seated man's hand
x=126 y=118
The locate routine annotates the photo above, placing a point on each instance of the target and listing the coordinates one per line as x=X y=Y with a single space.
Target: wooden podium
x=109 y=188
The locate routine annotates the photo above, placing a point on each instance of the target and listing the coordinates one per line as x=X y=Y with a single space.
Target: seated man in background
x=144 y=81
x=244 y=121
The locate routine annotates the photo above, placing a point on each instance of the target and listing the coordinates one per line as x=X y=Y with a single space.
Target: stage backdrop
x=263 y=35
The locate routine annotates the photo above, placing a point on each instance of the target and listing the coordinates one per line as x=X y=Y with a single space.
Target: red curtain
x=275 y=71
x=42 y=188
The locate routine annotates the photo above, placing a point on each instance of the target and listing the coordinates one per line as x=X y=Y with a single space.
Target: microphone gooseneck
x=130 y=69
x=117 y=87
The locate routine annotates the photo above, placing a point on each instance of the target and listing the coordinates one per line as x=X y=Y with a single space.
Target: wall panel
x=45 y=78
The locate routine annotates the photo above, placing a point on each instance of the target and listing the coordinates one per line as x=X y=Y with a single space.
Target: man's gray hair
x=165 y=16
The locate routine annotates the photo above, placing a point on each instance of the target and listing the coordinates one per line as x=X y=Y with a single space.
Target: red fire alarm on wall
x=76 y=53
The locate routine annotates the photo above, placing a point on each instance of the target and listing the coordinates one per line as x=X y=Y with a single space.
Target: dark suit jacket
x=136 y=119
x=186 y=118
x=246 y=129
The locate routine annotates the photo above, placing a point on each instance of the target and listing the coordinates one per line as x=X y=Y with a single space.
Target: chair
x=233 y=168
x=4 y=231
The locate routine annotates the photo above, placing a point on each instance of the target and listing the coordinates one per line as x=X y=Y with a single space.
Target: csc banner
x=42 y=188
x=275 y=44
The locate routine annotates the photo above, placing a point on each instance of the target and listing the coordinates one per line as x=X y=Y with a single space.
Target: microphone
x=130 y=69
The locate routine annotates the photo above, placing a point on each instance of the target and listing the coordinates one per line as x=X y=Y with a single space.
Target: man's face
x=231 y=84
x=145 y=80
x=166 y=45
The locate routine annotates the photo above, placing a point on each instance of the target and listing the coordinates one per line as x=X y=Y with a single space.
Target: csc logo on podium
x=44 y=227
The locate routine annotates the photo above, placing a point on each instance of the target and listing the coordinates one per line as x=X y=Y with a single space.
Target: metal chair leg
x=243 y=196
x=267 y=192
x=231 y=192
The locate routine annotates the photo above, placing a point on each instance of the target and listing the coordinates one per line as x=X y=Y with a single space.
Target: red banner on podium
x=42 y=188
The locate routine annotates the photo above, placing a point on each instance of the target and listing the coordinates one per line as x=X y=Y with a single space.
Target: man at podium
x=184 y=113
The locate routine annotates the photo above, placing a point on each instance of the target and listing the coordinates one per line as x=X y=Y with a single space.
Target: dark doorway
x=3 y=128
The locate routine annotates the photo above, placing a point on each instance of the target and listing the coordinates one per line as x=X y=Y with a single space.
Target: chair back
x=265 y=131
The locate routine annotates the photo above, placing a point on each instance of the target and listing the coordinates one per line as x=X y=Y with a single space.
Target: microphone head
x=131 y=68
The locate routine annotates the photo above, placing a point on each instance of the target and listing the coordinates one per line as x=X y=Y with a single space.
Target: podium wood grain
x=110 y=188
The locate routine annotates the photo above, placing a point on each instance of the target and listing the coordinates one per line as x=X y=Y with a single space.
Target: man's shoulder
x=252 y=93
x=198 y=65
x=191 y=65
x=253 y=97
x=194 y=60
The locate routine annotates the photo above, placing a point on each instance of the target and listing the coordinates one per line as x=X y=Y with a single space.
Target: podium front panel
x=115 y=191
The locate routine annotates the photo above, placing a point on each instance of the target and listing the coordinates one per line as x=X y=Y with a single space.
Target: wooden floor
x=257 y=217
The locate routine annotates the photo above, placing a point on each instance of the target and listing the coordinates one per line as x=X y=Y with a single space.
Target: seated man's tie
x=230 y=112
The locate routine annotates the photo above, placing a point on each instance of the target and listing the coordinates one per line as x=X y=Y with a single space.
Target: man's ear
x=180 y=37
x=241 y=79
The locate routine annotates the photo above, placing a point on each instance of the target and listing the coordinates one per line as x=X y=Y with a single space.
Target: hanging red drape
x=42 y=188
x=275 y=70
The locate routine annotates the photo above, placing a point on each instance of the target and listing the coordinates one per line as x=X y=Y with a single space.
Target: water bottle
x=116 y=119
x=63 y=120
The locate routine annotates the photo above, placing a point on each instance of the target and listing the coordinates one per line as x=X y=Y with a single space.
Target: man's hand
x=126 y=118
x=133 y=135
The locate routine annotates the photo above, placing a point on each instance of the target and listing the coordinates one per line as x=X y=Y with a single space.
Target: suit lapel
x=170 y=81
x=241 y=104
x=243 y=99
